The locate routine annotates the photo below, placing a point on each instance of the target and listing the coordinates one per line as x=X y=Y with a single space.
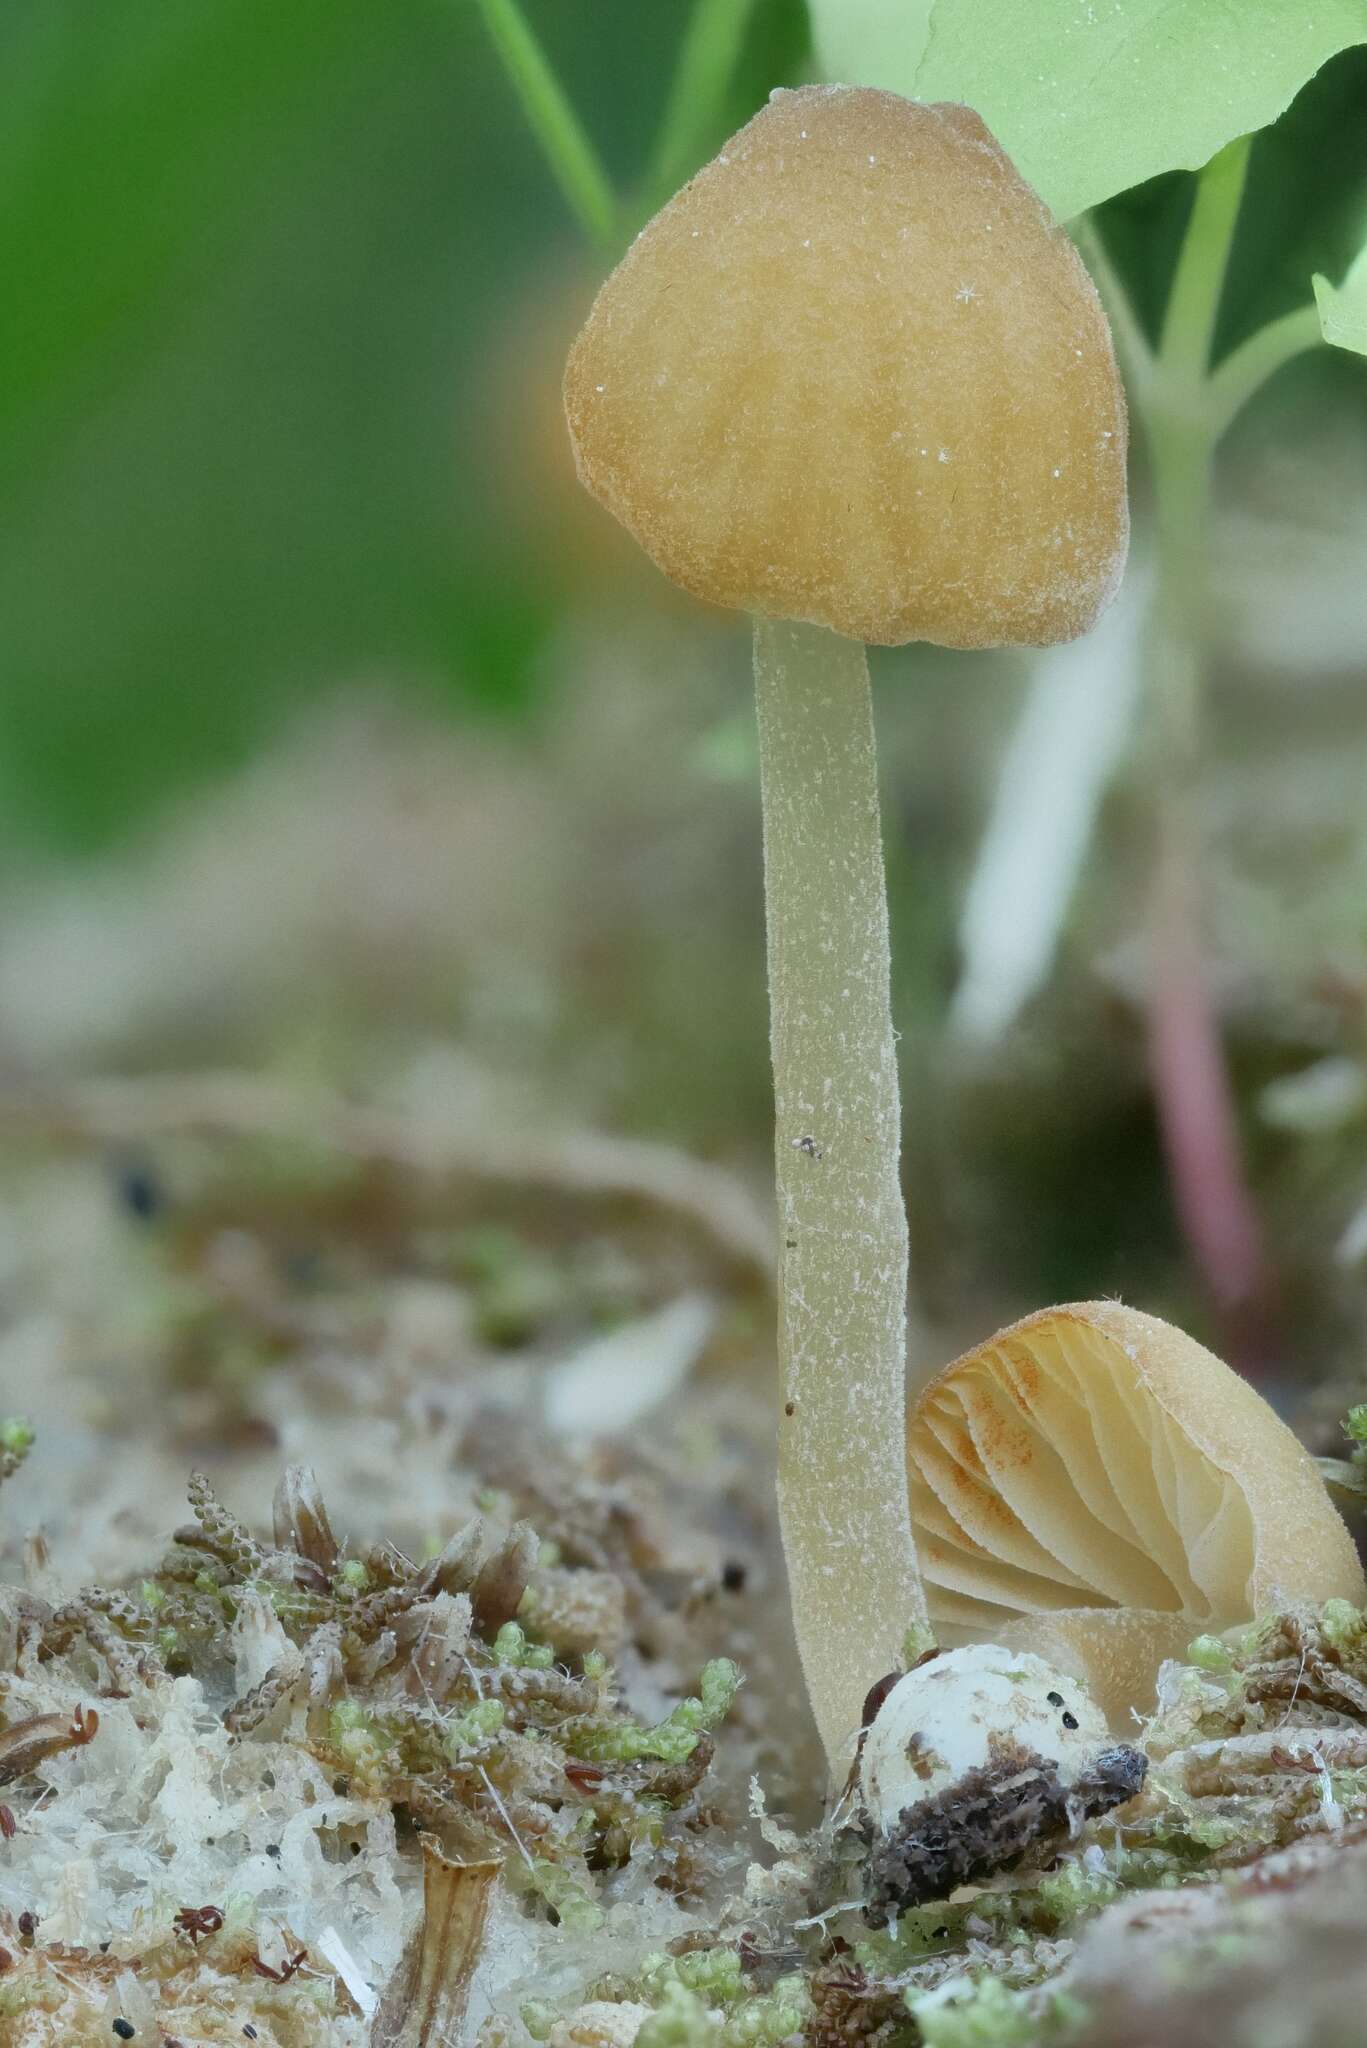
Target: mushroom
x=853 y=380
x=1096 y=1486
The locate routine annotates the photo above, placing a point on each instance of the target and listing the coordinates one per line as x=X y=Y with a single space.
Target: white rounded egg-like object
x=967 y=1709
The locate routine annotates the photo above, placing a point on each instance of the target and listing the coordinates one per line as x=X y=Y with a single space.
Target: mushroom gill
x=1096 y=1486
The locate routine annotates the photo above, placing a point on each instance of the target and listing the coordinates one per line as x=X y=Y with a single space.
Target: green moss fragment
x=771 y=2017
x=1344 y=1626
x=980 y=2013
x=681 y=2020
x=916 y=1644
x=714 y=1973
x=512 y=1647
x=1074 y=1889
x=567 y=1895
x=920 y=1931
x=1209 y=1653
x=671 y=1741
x=473 y=1728
x=719 y=1684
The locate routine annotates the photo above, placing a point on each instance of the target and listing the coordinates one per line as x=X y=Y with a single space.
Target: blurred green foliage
x=264 y=268
x=255 y=258
x=1305 y=209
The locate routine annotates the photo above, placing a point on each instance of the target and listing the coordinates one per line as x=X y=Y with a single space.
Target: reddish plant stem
x=1196 y=1114
x=1193 y=1097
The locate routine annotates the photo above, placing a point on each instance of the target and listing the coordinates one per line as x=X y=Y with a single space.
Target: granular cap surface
x=854 y=374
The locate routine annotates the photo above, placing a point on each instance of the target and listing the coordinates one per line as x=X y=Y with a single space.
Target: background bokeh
x=336 y=726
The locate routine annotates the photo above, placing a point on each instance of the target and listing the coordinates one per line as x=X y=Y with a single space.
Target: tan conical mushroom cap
x=1095 y=1458
x=854 y=374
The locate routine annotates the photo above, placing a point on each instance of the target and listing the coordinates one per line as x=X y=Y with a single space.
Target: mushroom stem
x=842 y=1482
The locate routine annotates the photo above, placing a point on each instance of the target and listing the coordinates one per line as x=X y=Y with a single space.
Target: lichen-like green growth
x=718 y=1686
x=917 y=1643
x=1350 y=1473
x=353 y=1730
x=512 y=1647
x=1209 y=1653
x=568 y=1896
x=1344 y=1626
x=771 y=2016
x=921 y=1931
x=714 y=1973
x=687 y=2015
x=673 y=1740
x=978 y=2013
x=1074 y=1889
x=16 y=1441
x=16 y=1435
x=1253 y=1639
x=681 y=2020
x=474 y=1727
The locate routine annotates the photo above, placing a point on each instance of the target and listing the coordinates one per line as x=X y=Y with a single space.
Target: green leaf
x=872 y=42
x=1090 y=97
x=707 y=61
x=553 y=121
x=1343 y=308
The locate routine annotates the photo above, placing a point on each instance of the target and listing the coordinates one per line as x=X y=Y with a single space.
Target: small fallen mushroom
x=854 y=380
x=1096 y=1486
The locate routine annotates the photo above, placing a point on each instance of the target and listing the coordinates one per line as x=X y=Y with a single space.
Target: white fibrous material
x=969 y=1709
x=614 y=1381
x=163 y=1810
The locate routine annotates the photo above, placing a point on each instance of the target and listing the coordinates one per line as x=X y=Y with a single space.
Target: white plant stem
x=1073 y=731
x=843 y=1499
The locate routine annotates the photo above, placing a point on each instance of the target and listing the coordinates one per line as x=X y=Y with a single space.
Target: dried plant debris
x=234 y=1825
x=990 y=1821
x=425 y=2001
x=223 y=1777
